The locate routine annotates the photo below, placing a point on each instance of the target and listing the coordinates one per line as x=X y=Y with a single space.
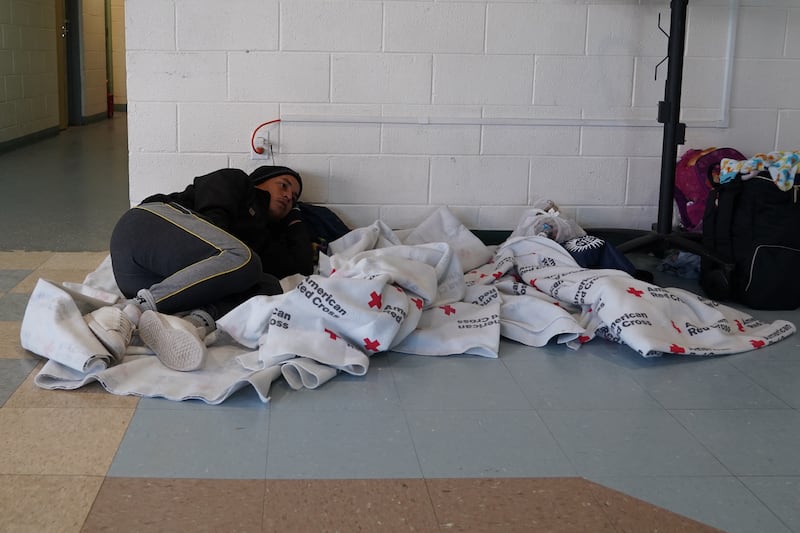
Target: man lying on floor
x=185 y=259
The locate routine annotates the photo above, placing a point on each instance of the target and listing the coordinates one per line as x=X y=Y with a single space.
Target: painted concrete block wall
x=118 y=52
x=28 y=80
x=29 y=69
x=93 y=49
x=392 y=108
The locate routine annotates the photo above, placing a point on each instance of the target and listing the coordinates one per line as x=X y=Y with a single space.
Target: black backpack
x=754 y=230
x=325 y=224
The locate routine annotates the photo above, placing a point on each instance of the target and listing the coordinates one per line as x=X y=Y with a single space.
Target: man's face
x=284 y=191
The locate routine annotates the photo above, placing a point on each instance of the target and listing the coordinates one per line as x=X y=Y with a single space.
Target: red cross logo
x=333 y=335
x=497 y=275
x=533 y=283
x=757 y=344
x=635 y=292
x=376 y=300
x=417 y=302
x=583 y=338
x=740 y=325
x=677 y=349
x=675 y=326
x=371 y=345
x=482 y=275
x=448 y=310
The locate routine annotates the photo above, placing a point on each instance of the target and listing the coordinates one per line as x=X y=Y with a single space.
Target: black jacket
x=228 y=199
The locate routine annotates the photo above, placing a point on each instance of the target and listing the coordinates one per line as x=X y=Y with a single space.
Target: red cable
x=260 y=150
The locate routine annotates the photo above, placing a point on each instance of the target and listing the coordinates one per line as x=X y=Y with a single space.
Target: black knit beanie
x=266 y=172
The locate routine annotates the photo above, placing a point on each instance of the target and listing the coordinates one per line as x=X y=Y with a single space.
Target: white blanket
x=376 y=292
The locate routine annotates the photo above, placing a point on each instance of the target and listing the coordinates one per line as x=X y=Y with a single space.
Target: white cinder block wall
x=28 y=79
x=392 y=108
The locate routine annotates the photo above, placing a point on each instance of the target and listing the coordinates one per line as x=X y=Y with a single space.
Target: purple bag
x=695 y=174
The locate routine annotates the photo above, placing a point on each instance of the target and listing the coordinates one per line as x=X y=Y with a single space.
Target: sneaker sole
x=175 y=348
x=111 y=342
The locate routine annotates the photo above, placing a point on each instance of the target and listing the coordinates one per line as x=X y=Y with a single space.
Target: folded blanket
x=53 y=327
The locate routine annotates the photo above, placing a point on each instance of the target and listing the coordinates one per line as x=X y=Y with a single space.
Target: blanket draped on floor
x=438 y=291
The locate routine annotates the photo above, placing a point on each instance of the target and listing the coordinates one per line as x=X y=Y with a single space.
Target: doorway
x=68 y=29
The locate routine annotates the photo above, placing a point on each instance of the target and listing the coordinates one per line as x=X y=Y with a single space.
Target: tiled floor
x=548 y=439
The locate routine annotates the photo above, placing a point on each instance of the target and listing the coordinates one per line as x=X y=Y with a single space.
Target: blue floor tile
x=781 y=494
x=755 y=442
x=219 y=443
x=456 y=382
x=12 y=306
x=576 y=380
x=629 y=443
x=722 y=502
x=781 y=378
x=12 y=373
x=709 y=384
x=346 y=444
x=486 y=444
x=11 y=278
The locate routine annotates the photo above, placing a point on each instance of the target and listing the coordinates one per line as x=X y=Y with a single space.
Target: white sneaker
x=112 y=327
x=177 y=343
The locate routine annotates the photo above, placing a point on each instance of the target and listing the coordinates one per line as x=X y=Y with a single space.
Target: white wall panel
x=381 y=78
x=335 y=26
x=434 y=27
x=482 y=79
x=536 y=29
x=479 y=180
x=483 y=106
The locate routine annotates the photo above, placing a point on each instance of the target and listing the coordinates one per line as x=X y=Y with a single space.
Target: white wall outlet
x=266 y=147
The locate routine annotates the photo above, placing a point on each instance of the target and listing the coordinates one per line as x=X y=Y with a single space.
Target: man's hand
x=294 y=216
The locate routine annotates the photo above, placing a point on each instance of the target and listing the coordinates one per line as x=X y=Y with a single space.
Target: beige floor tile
x=9 y=342
x=547 y=504
x=179 y=505
x=23 y=260
x=54 y=275
x=517 y=504
x=348 y=505
x=91 y=396
x=67 y=441
x=44 y=504
x=75 y=260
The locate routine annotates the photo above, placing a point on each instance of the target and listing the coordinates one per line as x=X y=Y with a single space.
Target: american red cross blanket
x=435 y=292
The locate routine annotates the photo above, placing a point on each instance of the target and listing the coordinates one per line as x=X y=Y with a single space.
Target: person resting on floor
x=186 y=258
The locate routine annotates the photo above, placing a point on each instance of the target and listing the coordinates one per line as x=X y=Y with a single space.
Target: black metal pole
x=669 y=114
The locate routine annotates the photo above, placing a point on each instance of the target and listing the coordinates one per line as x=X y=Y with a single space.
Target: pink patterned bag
x=695 y=173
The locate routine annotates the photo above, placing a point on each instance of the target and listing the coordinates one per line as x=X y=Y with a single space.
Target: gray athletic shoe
x=177 y=343
x=112 y=328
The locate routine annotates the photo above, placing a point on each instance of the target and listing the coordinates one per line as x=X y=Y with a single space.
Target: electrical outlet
x=264 y=144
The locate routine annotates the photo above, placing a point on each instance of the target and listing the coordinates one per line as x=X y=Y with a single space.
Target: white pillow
x=443 y=226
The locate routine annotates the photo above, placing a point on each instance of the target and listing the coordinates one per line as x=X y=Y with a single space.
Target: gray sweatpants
x=185 y=262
